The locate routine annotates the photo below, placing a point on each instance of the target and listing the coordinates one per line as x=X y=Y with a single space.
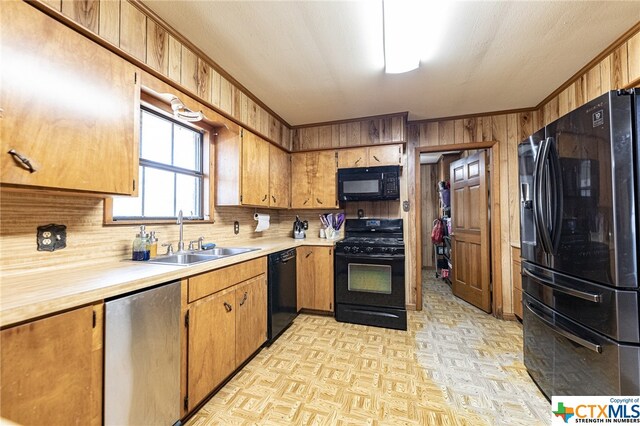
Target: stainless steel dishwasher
x=142 y=358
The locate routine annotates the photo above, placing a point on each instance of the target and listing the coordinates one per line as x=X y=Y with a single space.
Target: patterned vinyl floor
x=454 y=366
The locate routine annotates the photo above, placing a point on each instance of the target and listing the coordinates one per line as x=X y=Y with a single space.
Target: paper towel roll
x=263 y=221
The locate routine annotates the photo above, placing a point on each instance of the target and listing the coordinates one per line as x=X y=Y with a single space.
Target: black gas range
x=369 y=274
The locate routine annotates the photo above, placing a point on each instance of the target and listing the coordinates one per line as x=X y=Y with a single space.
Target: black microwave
x=369 y=183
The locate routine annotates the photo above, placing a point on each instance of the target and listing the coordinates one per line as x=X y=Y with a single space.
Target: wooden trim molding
x=352 y=120
x=481 y=114
x=582 y=71
x=496 y=227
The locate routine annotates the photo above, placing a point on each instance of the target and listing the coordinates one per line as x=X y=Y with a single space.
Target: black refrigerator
x=579 y=244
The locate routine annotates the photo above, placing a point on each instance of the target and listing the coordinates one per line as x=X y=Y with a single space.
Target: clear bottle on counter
x=153 y=245
x=141 y=245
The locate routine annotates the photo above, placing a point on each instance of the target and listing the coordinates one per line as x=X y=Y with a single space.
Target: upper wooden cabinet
x=70 y=108
x=383 y=155
x=250 y=171
x=279 y=177
x=313 y=180
x=51 y=369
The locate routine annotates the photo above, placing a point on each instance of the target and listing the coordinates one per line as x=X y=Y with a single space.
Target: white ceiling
x=313 y=61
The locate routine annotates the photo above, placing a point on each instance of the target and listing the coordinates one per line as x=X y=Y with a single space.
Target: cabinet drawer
x=210 y=282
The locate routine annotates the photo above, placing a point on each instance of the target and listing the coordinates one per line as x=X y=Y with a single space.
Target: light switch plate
x=51 y=237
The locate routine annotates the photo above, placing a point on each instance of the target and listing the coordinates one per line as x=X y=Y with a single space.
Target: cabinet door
x=323 y=273
x=279 y=177
x=211 y=343
x=385 y=155
x=305 y=277
x=255 y=170
x=251 y=317
x=70 y=107
x=352 y=157
x=324 y=185
x=51 y=370
x=302 y=172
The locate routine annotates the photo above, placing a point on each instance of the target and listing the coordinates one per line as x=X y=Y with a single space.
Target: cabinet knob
x=24 y=160
x=273 y=198
x=228 y=307
x=265 y=197
x=244 y=299
x=358 y=160
x=305 y=202
x=376 y=158
x=318 y=200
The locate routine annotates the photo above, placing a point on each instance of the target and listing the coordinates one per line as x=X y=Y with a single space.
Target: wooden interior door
x=251 y=317
x=470 y=231
x=211 y=343
x=255 y=170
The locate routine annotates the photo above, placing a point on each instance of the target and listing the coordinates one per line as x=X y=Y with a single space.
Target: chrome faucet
x=181 y=241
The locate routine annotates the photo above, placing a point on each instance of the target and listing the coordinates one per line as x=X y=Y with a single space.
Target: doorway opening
x=476 y=238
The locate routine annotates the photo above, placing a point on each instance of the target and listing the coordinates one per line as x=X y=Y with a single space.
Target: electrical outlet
x=51 y=237
x=236 y=227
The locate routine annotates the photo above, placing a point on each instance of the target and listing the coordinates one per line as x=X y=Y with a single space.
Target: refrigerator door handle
x=591 y=297
x=538 y=216
x=558 y=196
x=564 y=333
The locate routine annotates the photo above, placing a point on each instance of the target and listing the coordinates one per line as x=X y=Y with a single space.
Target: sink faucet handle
x=198 y=242
x=169 y=248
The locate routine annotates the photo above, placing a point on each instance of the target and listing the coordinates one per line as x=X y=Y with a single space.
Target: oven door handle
x=591 y=297
x=371 y=256
x=564 y=333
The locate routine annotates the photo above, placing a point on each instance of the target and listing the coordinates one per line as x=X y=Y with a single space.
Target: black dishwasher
x=282 y=297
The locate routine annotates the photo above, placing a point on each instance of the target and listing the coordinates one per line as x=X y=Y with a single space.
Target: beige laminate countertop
x=35 y=293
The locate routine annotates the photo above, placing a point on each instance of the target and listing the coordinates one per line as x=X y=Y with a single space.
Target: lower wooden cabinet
x=51 y=369
x=315 y=278
x=224 y=328
x=516 y=275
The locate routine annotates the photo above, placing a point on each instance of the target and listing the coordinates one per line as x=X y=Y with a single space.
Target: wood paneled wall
x=365 y=131
x=125 y=25
x=618 y=70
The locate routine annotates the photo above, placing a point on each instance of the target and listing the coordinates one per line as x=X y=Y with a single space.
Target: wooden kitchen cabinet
x=250 y=171
x=211 y=344
x=516 y=277
x=51 y=369
x=226 y=320
x=313 y=180
x=314 y=267
x=251 y=317
x=279 y=177
x=382 y=155
x=255 y=170
x=70 y=108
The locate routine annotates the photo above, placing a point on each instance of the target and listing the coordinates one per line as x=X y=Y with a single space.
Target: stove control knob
x=354 y=249
x=369 y=249
x=393 y=250
x=347 y=249
x=384 y=249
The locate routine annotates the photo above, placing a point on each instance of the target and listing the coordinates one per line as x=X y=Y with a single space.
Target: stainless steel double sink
x=199 y=256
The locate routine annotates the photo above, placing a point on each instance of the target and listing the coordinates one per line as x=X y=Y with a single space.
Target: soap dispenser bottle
x=141 y=245
x=153 y=244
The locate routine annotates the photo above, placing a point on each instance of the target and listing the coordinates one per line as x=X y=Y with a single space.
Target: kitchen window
x=171 y=172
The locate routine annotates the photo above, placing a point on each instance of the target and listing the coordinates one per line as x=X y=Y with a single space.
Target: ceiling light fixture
x=400 y=52
x=413 y=30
